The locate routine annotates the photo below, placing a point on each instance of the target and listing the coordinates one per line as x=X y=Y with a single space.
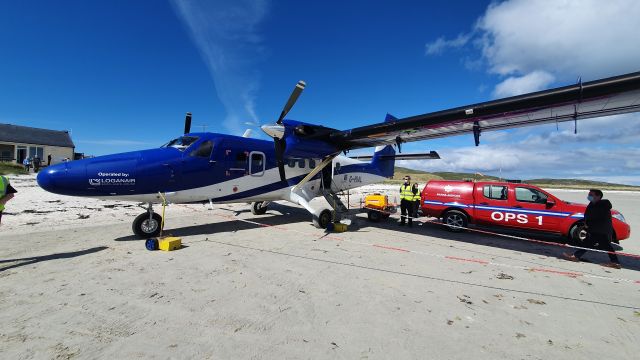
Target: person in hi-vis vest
x=416 y=199
x=406 y=201
x=6 y=193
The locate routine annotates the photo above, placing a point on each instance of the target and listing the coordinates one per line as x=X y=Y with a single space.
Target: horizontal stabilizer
x=419 y=156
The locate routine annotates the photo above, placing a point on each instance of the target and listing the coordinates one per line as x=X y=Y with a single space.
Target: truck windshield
x=181 y=143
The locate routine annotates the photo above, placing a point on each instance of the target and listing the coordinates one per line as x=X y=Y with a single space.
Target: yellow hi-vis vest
x=416 y=196
x=406 y=193
x=4 y=184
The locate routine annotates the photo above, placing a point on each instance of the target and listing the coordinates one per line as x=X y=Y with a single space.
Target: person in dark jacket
x=599 y=228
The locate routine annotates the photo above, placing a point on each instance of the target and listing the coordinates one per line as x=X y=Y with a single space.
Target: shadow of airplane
x=37 y=259
x=281 y=214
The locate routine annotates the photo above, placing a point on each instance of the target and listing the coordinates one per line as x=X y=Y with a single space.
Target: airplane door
x=236 y=163
x=198 y=166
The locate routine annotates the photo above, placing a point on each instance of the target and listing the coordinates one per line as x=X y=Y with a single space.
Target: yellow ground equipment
x=165 y=243
x=378 y=207
x=337 y=227
x=169 y=243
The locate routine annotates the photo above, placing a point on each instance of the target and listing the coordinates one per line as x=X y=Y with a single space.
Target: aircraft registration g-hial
x=305 y=160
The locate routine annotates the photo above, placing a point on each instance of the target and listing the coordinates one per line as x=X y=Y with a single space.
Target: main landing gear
x=147 y=225
x=259 y=207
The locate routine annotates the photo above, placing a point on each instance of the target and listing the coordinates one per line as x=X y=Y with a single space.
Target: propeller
x=187 y=123
x=276 y=131
x=292 y=100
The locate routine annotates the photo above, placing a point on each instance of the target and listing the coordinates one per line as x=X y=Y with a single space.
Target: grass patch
x=11 y=169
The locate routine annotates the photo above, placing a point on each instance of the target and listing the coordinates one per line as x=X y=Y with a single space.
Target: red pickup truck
x=514 y=205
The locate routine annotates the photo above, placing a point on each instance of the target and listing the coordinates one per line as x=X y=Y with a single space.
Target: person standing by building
x=26 y=163
x=36 y=163
x=49 y=160
x=406 y=202
x=598 y=224
x=6 y=193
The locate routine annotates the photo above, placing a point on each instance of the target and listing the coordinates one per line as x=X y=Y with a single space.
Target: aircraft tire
x=257 y=208
x=323 y=219
x=146 y=228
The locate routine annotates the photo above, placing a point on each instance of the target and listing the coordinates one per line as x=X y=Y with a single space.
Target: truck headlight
x=619 y=217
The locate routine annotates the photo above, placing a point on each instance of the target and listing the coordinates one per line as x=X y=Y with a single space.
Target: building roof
x=29 y=135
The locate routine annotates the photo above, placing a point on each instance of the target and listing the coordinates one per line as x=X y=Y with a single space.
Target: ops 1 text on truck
x=513 y=205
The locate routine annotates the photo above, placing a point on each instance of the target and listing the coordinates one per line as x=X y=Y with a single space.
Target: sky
x=120 y=75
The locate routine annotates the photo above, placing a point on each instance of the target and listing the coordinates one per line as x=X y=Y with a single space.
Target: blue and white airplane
x=304 y=160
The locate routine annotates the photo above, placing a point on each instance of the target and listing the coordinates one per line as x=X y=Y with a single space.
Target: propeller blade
x=187 y=123
x=280 y=145
x=292 y=100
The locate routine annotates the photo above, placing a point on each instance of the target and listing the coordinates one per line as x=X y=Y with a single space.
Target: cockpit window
x=204 y=150
x=181 y=143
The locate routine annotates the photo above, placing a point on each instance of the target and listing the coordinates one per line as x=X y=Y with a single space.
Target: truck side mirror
x=551 y=203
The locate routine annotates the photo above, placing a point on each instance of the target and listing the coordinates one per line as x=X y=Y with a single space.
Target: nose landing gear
x=147 y=224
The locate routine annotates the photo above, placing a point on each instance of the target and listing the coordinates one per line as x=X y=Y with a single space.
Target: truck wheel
x=257 y=208
x=323 y=219
x=456 y=221
x=145 y=227
x=374 y=216
x=578 y=234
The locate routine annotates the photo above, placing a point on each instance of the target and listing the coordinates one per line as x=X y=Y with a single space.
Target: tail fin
x=384 y=160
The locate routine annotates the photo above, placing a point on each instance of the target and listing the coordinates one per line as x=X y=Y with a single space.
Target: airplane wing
x=615 y=95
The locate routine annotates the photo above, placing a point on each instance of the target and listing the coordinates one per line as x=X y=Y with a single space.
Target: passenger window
x=495 y=192
x=312 y=164
x=530 y=195
x=336 y=169
x=257 y=164
x=241 y=160
x=301 y=163
x=204 y=150
x=292 y=163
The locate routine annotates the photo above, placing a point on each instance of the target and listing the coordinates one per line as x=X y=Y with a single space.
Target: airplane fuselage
x=203 y=167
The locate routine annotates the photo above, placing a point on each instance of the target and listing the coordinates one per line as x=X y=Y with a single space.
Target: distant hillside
x=423 y=176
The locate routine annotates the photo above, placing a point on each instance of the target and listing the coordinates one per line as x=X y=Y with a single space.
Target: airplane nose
x=51 y=176
x=68 y=178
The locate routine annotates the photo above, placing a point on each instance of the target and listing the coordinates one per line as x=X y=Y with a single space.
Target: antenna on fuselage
x=187 y=123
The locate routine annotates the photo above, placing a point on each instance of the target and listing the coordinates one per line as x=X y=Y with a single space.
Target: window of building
x=530 y=195
x=495 y=192
x=36 y=151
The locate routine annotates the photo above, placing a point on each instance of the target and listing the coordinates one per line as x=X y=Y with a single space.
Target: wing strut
x=313 y=172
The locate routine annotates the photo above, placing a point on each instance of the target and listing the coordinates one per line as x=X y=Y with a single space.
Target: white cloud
x=535 y=44
x=596 y=163
x=441 y=44
x=226 y=34
x=517 y=85
x=567 y=38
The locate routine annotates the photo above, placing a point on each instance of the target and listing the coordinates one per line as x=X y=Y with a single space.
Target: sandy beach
x=75 y=283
